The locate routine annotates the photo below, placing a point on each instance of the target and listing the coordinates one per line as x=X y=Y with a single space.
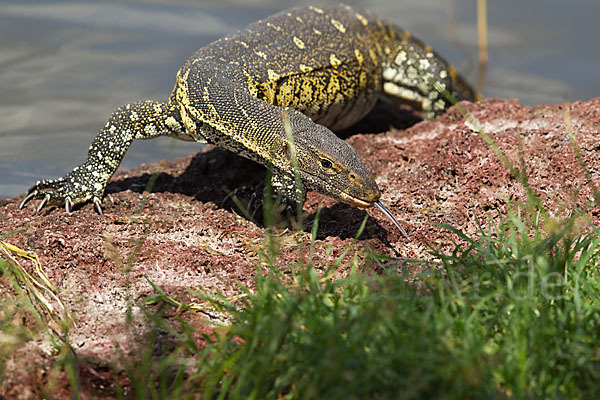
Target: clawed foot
x=64 y=191
x=246 y=201
x=253 y=206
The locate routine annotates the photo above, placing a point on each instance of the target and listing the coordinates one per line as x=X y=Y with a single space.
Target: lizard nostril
x=352 y=176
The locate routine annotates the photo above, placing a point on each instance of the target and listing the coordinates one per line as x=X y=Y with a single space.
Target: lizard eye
x=326 y=164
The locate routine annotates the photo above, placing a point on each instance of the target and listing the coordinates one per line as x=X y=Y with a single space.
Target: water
x=66 y=65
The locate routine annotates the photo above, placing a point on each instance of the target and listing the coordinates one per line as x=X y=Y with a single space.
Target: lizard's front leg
x=142 y=120
x=287 y=191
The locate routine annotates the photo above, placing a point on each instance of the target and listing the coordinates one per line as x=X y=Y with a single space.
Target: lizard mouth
x=368 y=201
x=356 y=202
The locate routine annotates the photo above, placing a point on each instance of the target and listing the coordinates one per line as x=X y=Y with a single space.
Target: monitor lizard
x=314 y=70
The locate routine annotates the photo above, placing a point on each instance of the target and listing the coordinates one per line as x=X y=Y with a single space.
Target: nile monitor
x=311 y=69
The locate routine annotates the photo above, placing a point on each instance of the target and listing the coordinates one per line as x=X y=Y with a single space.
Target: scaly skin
x=310 y=69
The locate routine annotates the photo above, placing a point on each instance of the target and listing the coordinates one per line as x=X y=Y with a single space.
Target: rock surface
x=184 y=235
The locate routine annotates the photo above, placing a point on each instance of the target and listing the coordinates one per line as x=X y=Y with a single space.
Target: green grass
x=514 y=313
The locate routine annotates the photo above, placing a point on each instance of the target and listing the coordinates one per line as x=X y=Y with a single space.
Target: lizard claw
x=68 y=204
x=42 y=204
x=77 y=187
x=27 y=199
x=65 y=191
x=97 y=204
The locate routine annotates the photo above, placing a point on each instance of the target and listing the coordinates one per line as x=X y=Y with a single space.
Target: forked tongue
x=389 y=214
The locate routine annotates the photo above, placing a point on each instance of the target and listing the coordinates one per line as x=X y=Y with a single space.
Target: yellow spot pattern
x=276 y=27
x=338 y=25
x=335 y=62
x=298 y=42
x=359 y=56
x=362 y=19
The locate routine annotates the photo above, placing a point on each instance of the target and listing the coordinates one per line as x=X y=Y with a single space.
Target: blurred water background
x=66 y=65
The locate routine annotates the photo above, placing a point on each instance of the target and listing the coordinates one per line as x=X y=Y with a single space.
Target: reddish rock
x=185 y=236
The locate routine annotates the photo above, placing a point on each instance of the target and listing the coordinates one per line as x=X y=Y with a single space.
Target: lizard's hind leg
x=413 y=73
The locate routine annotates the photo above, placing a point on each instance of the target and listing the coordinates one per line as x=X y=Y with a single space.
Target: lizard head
x=331 y=166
